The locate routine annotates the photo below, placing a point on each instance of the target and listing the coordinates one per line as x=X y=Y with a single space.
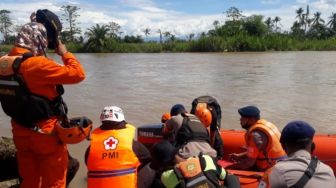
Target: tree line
x=237 y=33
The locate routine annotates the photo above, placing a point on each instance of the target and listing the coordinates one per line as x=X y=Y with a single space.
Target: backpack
x=191 y=175
x=212 y=103
x=216 y=112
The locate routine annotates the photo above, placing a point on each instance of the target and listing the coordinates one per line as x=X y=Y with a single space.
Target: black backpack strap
x=203 y=166
x=16 y=68
x=180 y=177
x=18 y=61
x=307 y=174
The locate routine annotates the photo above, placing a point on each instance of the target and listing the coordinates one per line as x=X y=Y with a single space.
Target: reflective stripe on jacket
x=189 y=174
x=265 y=159
x=111 y=160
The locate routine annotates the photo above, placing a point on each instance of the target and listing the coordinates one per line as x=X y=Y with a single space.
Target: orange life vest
x=265 y=159
x=111 y=160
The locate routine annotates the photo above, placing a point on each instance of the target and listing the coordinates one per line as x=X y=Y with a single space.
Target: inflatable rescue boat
x=234 y=143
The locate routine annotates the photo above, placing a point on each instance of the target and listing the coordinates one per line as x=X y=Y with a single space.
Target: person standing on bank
x=114 y=158
x=31 y=94
x=300 y=169
x=262 y=140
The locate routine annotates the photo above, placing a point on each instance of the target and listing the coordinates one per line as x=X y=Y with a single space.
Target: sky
x=179 y=17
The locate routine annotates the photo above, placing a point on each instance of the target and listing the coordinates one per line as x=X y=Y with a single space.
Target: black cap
x=177 y=109
x=162 y=153
x=296 y=130
x=52 y=24
x=249 y=111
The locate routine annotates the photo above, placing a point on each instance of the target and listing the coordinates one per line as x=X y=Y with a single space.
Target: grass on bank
x=239 y=43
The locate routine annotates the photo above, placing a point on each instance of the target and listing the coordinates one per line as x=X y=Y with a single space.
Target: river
x=284 y=85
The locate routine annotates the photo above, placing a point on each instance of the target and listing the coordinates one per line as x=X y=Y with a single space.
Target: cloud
x=136 y=15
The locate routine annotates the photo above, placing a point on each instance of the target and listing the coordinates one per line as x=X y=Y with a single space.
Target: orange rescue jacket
x=265 y=159
x=41 y=75
x=111 y=160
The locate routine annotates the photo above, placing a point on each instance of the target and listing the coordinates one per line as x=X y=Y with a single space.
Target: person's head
x=177 y=109
x=165 y=117
x=249 y=115
x=163 y=155
x=33 y=36
x=171 y=127
x=297 y=135
x=112 y=114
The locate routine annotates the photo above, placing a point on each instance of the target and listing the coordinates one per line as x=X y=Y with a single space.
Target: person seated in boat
x=168 y=131
x=188 y=134
x=262 y=140
x=208 y=110
x=197 y=171
x=177 y=109
x=300 y=169
x=114 y=158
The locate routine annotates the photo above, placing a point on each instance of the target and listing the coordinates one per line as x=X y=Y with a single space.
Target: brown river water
x=284 y=85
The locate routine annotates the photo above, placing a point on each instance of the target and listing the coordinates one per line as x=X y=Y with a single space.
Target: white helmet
x=112 y=113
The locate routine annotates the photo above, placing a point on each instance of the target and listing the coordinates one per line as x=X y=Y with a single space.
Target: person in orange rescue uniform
x=262 y=141
x=42 y=157
x=114 y=158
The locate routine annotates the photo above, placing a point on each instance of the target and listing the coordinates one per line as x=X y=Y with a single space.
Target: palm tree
x=167 y=34
x=317 y=20
x=276 y=21
x=215 y=24
x=300 y=16
x=269 y=24
x=307 y=20
x=172 y=37
x=97 y=37
x=160 y=33
x=147 y=32
x=332 y=22
x=190 y=36
x=317 y=29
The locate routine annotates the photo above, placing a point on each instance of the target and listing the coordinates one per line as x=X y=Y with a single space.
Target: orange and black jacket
x=42 y=77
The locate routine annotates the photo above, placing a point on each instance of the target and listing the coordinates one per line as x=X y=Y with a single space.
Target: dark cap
x=162 y=153
x=249 y=111
x=177 y=109
x=296 y=130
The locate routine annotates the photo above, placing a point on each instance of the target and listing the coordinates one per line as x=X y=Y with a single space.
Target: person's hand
x=234 y=157
x=61 y=49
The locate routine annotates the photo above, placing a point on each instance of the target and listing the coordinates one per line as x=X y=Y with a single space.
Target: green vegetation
x=237 y=33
